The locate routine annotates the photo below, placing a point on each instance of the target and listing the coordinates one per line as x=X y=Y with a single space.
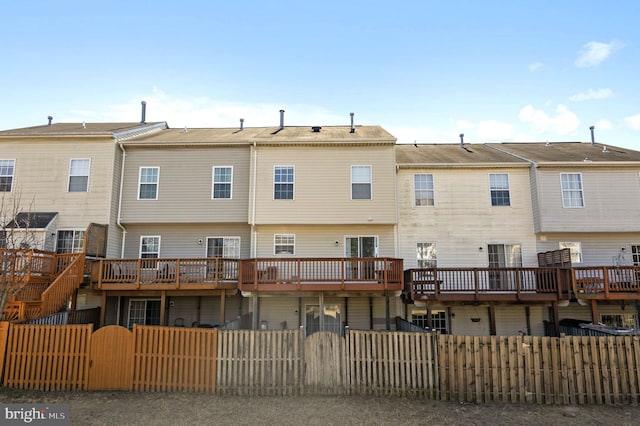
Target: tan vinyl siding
x=322 y=187
x=182 y=240
x=462 y=325
x=512 y=319
x=320 y=241
x=611 y=201
x=463 y=219
x=359 y=317
x=278 y=310
x=575 y=311
x=41 y=181
x=185 y=185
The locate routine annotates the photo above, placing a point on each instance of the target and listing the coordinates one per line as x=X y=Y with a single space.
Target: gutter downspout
x=118 y=223
x=254 y=235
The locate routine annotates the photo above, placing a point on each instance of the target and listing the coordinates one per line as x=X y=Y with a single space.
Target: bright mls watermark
x=37 y=414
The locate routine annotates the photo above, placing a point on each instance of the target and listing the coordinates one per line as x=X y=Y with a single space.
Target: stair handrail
x=67 y=281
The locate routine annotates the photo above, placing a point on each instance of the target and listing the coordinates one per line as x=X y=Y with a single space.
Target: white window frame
x=214 y=183
x=356 y=181
x=7 y=164
x=567 y=200
x=429 y=200
x=157 y=253
x=427 y=256
x=575 y=250
x=292 y=183
x=76 y=173
x=230 y=247
x=494 y=187
x=439 y=319
x=279 y=242
x=77 y=242
x=156 y=183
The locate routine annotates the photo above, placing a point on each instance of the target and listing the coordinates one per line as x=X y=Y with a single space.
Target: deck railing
x=437 y=283
x=165 y=271
x=372 y=273
x=606 y=281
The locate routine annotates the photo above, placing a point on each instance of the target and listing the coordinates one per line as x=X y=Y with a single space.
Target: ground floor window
x=438 y=319
x=143 y=312
x=70 y=241
x=330 y=321
x=620 y=320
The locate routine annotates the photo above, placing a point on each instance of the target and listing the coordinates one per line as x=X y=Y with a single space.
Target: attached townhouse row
x=332 y=226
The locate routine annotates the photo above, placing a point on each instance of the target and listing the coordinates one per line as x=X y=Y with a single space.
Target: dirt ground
x=124 y=408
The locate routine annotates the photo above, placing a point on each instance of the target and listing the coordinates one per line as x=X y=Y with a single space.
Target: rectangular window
x=575 y=249
x=423 y=189
x=70 y=241
x=572 y=196
x=143 y=312
x=148 y=183
x=7 y=168
x=635 y=254
x=283 y=179
x=499 y=185
x=360 y=182
x=227 y=247
x=426 y=255
x=620 y=320
x=438 y=319
x=284 y=244
x=79 y=175
x=149 y=247
x=222 y=183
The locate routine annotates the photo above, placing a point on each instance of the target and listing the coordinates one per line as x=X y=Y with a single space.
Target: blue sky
x=425 y=70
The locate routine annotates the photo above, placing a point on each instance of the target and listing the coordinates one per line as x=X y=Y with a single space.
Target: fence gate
x=325 y=363
x=111 y=359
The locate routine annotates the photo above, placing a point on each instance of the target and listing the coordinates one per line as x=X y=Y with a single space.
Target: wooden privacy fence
x=543 y=370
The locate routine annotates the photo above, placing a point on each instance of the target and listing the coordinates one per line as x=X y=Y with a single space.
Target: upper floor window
x=572 y=190
x=222 y=181
x=284 y=244
x=70 y=241
x=7 y=168
x=499 y=186
x=360 y=182
x=575 y=250
x=227 y=247
x=283 y=179
x=79 y=175
x=426 y=253
x=149 y=247
x=635 y=254
x=148 y=183
x=423 y=189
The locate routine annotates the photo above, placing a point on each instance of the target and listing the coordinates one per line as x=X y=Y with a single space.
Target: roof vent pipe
x=281 y=119
x=50 y=118
x=593 y=138
x=353 y=129
x=241 y=123
x=144 y=112
x=461 y=140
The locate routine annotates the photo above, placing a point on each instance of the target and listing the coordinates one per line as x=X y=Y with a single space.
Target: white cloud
x=413 y=134
x=592 y=94
x=535 y=66
x=562 y=123
x=604 y=125
x=594 y=52
x=206 y=112
x=464 y=125
x=633 y=121
x=493 y=130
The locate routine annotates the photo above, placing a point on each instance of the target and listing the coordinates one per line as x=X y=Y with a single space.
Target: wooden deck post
x=222 y=304
x=555 y=316
x=163 y=308
x=103 y=308
x=594 y=311
x=492 y=319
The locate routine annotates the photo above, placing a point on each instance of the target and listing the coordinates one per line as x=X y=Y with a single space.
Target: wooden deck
x=488 y=284
x=607 y=282
x=377 y=274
